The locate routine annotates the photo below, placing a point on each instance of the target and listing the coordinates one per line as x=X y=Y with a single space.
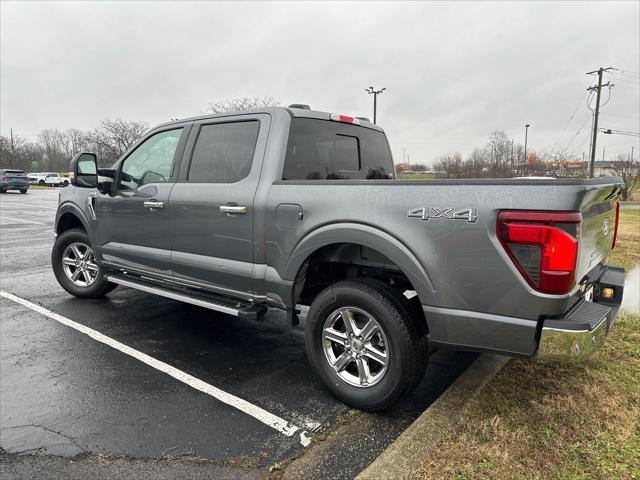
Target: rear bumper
x=13 y=186
x=577 y=334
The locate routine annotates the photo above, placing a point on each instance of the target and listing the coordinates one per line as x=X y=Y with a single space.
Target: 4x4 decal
x=446 y=213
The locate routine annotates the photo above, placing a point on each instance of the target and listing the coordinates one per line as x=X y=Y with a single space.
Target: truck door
x=211 y=207
x=134 y=220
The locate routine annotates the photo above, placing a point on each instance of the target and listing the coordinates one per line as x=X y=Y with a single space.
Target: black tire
x=405 y=334
x=23 y=190
x=3 y=191
x=41 y=183
x=65 y=183
x=98 y=288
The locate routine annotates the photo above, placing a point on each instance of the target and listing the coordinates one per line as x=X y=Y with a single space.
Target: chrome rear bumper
x=575 y=336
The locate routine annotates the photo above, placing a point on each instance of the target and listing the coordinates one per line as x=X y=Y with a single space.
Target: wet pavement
x=63 y=394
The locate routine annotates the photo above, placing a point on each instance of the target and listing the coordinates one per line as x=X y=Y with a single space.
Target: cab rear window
x=327 y=150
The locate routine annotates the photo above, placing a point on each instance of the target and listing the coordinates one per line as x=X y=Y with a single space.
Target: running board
x=212 y=302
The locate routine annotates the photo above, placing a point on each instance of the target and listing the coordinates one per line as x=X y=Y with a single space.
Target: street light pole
x=375 y=93
x=526 y=135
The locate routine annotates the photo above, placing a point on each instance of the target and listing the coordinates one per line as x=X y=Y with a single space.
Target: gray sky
x=453 y=72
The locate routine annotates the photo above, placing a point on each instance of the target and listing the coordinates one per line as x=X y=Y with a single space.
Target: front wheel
x=75 y=267
x=23 y=190
x=366 y=343
x=41 y=183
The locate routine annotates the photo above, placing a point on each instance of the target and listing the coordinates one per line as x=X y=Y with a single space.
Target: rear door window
x=327 y=150
x=223 y=152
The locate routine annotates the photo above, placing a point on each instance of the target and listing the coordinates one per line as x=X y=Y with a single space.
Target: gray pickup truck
x=290 y=207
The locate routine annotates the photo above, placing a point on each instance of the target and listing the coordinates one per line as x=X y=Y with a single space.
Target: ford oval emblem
x=605 y=227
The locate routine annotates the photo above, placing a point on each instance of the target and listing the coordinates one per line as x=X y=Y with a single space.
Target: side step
x=212 y=302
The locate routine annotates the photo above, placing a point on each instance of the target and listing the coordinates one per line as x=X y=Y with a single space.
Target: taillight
x=5 y=178
x=543 y=246
x=615 y=228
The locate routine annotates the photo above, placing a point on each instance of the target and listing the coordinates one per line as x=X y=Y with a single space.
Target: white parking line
x=21 y=220
x=256 y=412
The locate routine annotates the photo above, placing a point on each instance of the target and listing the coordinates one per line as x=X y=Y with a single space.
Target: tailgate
x=598 y=210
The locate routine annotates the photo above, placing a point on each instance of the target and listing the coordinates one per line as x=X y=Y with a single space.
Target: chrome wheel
x=355 y=346
x=79 y=264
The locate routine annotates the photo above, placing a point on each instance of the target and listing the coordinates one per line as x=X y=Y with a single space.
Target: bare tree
x=114 y=137
x=562 y=163
x=450 y=165
x=629 y=172
x=241 y=104
x=53 y=142
x=499 y=154
x=19 y=153
x=476 y=164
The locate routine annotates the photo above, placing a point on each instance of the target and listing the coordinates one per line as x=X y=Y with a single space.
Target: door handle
x=233 y=209
x=153 y=204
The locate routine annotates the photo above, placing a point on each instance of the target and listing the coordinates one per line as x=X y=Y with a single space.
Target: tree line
x=503 y=157
x=54 y=148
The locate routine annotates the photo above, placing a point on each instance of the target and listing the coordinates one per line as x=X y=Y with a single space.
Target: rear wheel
x=41 y=183
x=23 y=190
x=65 y=183
x=365 y=341
x=75 y=267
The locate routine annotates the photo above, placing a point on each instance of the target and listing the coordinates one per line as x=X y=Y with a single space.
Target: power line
x=611 y=131
x=577 y=133
x=569 y=121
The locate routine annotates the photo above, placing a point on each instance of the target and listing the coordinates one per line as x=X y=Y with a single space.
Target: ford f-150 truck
x=289 y=207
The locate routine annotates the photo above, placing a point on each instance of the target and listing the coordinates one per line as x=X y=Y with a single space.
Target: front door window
x=151 y=162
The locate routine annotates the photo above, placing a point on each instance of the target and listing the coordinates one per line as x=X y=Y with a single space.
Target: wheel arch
x=334 y=239
x=68 y=217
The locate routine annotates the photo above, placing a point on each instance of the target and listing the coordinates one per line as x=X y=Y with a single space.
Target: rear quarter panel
x=465 y=263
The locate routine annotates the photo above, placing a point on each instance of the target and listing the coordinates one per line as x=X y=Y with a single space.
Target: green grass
x=550 y=421
x=627 y=251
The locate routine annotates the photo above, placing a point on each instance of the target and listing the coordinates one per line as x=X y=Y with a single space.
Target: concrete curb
x=405 y=455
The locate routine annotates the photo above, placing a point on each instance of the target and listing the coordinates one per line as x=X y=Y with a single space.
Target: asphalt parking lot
x=67 y=395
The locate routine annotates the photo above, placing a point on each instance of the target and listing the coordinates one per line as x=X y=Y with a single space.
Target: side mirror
x=84 y=170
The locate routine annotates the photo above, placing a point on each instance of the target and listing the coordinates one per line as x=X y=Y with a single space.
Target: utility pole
x=526 y=135
x=632 y=155
x=375 y=93
x=598 y=89
x=603 y=149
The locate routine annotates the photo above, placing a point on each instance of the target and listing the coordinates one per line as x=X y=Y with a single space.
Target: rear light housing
x=336 y=117
x=543 y=246
x=5 y=178
x=615 y=228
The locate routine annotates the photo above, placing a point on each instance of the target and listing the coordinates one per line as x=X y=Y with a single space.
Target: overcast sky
x=454 y=72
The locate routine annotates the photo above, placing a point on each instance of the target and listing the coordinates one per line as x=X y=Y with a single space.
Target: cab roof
x=293 y=112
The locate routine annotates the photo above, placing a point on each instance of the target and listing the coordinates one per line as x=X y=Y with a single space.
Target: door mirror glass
x=84 y=170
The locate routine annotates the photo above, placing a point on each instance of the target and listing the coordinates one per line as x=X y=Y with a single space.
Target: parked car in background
x=52 y=179
x=13 y=180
